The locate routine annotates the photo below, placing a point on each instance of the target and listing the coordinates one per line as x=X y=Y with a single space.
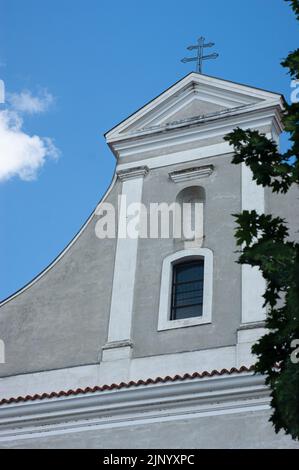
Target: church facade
x=145 y=341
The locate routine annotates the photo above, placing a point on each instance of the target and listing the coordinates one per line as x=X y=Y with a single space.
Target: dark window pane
x=188 y=300
x=188 y=287
x=190 y=272
x=188 y=312
x=187 y=290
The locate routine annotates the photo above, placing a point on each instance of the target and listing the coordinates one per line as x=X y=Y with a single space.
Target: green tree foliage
x=265 y=243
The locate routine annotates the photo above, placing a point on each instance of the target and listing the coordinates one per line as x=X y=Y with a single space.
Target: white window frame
x=164 y=321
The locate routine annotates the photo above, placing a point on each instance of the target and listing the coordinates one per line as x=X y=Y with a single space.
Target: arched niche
x=189 y=216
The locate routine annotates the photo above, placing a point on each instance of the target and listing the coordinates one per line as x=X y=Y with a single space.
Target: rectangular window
x=187 y=290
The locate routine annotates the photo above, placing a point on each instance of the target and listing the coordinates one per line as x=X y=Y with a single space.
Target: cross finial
x=200 y=51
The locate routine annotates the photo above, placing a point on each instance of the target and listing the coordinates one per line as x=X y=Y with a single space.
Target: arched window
x=186 y=289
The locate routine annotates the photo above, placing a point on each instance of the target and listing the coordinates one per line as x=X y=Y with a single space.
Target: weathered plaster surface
x=222 y=190
x=62 y=319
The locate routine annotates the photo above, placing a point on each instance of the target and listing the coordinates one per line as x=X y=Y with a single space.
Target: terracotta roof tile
x=132 y=383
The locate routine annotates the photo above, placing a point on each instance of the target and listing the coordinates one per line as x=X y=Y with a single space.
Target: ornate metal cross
x=200 y=46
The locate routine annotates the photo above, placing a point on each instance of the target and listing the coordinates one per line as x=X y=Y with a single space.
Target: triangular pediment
x=195 y=107
x=194 y=97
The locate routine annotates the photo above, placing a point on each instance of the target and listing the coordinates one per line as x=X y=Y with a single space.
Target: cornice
x=218 y=119
x=131 y=173
x=188 y=174
x=131 y=406
x=160 y=141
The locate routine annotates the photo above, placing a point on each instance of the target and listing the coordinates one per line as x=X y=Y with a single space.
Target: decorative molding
x=159 y=142
x=131 y=384
x=189 y=174
x=162 y=365
x=118 y=344
x=184 y=156
x=191 y=120
x=210 y=89
x=253 y=325
x=116 y=350
x=185 y=399
x=131 y=173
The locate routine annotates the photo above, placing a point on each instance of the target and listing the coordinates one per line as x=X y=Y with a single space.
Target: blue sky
x=90 y=64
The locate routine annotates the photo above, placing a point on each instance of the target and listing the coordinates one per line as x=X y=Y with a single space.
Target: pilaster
x=119 y=344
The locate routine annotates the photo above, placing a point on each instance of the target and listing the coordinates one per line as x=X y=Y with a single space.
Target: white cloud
x=25 y=102
x=20 y=153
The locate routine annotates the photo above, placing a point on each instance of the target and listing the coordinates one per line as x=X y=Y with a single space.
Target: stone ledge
x=188 y=174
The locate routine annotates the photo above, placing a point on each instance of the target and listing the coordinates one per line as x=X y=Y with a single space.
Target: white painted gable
x=195 y=96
